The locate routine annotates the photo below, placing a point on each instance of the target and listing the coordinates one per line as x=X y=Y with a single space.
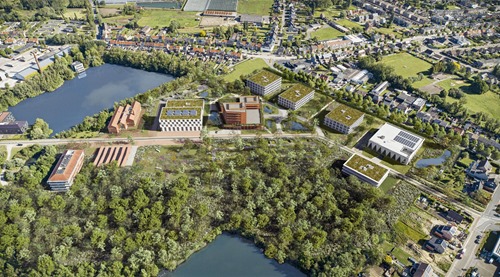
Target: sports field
x=326 y=33
x=487 y=103
x=245 y=68
x=406 y=65
x=454 y=83
x=257 y=7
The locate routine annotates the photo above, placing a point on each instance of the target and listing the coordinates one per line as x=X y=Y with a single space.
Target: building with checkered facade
x=182 y=116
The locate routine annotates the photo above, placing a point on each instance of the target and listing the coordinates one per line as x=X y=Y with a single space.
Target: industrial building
x=67 y=167
x=395 y=143
x=182 y=116
x=343 y=119
x=365 y=170
x=125 y=117
x=264 y=83
x=246 y=113
x=296 y=96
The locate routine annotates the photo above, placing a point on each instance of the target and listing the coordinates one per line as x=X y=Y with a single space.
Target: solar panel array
x=407 y=139
x=182 y=112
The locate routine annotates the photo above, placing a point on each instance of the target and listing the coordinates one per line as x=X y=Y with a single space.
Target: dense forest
x=131 y=221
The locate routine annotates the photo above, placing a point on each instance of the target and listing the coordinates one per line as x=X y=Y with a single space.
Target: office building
x=264 y=83
x=365 y=170
x=343 y=119
x=296 y=96
x=125 y=117
x=182 y=116
x=67 y=167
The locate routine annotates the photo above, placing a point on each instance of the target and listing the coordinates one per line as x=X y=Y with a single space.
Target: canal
x=230 y=255
x=81 y=97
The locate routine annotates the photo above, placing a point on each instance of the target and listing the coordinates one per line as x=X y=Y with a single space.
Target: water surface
x=230 y=256
x=99 y=89
x=433 y=161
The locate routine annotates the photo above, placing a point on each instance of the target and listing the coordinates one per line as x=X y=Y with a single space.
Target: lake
x=433 y=161
x=98 y=90
x=230 y=255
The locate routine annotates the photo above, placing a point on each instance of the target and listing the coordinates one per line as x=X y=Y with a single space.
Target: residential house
x=446 y=232
x=437 y=245
x=423 y=270
x=492 y=183
x=453 y=216
x=479 y=169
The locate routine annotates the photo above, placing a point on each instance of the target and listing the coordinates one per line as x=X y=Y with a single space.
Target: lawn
x=388 y=184
x=404 y=230
x=162 y=18
x=331 y=12
x=257 y=7
x=387 y=31
x=455 y=82
x=406 y=65
x=398 y=253
x=349 y=24
x=245 y=68
x=487 y=102
x=422 y=83
x=326 y=33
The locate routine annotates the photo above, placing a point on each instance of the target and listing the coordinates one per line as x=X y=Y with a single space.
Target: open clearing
x=71 y=13
x=455 y=83
x=245 y=68
x=257 y=7
x=487 y=103
x=326 y=33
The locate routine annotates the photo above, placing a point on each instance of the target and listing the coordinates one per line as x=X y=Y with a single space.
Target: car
x=19 y=144
x=477 y=241
x=497 y=215
x=479 y=237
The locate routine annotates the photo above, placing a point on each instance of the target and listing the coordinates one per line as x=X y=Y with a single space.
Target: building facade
x=295 y=97
x=9 y=125
x=343 y=119
x=182 y=116
x=63 y=175
x=264 y=83
x=395 y=143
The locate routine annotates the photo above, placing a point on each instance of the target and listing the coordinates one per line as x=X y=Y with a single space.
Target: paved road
x=486 y=221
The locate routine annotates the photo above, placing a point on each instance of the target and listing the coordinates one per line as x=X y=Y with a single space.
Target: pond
x=433 y=161
x=267 y=109
x=230 y=255
x=98 y=90
x=295 y=126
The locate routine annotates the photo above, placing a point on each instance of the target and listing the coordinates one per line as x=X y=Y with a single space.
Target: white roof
x=397 y=140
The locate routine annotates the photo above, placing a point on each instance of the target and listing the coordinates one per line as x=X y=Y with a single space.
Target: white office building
x=343 y=119
x=395 y=143
x=264 y=83
x=296 y=96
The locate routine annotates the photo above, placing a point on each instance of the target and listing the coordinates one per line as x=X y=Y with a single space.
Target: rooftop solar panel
x=408 y=136
x=405 y=141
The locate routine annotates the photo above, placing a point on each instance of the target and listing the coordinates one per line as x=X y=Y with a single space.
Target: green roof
x=182 y=109
x=296 y=92
x=366 y=167
x=344 y=114
x=263 y=78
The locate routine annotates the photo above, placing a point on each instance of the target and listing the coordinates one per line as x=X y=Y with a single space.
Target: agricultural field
x=487 y=103
x=326 y=33
x=257 y=7
x=348 y=23
x=245 y=68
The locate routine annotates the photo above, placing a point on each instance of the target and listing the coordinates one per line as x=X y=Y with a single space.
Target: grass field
x=455 y=82
x=257 y=7
x=406 y=65
x=70 y=13
x=408 y=232
x=326 y=33
x=488 y=103
x=347 y=23
x=245 y=68
x=162 y=18
x=388 y=184
x=398 y=253
x=388 y=31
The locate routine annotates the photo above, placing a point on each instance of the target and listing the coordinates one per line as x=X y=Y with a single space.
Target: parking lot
x=487 y=269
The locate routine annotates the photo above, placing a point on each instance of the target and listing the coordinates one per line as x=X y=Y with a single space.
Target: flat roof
x=397 y=140
x=182 y=109
x=496 y=250
x=264 y=78
x=296 y=92
x=253 y=116
x=344 y=114
x=366 y=167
